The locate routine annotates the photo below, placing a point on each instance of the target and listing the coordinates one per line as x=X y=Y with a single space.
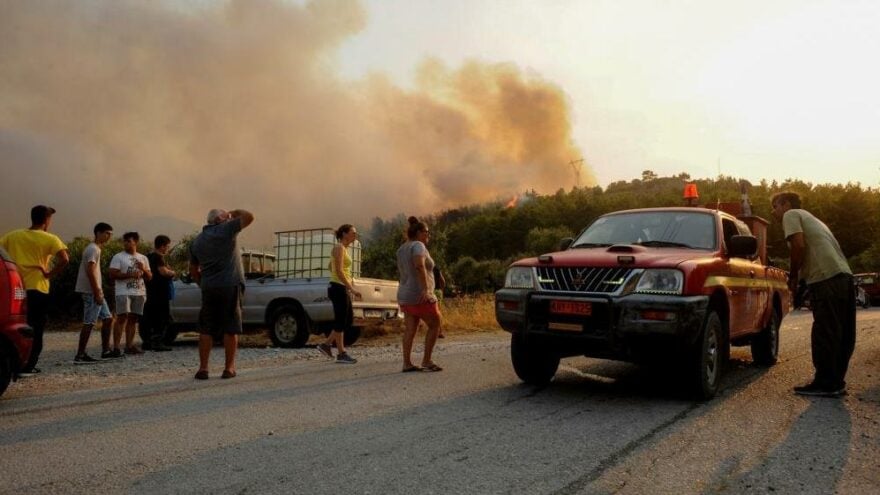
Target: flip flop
x=431 y=367
x=409 y=369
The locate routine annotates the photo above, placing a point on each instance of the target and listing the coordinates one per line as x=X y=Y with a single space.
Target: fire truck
x=676 y=285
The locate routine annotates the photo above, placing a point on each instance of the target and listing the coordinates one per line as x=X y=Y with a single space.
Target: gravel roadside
x=60 y=374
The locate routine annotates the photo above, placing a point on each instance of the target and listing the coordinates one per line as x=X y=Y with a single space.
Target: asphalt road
x=311 y=426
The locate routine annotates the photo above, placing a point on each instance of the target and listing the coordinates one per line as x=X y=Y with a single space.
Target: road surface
x=311 y=426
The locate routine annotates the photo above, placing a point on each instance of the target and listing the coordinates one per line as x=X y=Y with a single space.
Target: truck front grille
x=582 y=279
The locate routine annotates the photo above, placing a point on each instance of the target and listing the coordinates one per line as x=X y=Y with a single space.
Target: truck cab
x=678 y=283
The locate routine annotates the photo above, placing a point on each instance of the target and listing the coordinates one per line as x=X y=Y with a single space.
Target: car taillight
x=17 y=305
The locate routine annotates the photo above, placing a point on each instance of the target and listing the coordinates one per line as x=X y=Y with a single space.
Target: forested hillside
x=474 y=244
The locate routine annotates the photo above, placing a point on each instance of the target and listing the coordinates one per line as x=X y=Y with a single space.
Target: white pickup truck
x=286 y=292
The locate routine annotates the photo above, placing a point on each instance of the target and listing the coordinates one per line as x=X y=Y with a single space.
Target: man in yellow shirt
x=33 y=250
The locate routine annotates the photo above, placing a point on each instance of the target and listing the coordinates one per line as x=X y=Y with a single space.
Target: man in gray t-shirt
x=816 y=257
x=88 y=284
x=215 y=263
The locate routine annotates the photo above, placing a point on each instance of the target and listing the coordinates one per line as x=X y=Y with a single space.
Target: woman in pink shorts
x=416 y=294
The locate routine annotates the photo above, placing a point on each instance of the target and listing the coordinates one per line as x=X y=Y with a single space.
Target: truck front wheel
x=533 y=363
x=170 y=335
x=5 y=368
x=706 y=360
x=287 y=327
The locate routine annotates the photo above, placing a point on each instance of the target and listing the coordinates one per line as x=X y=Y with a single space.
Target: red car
x=16 y=337
x=870 y=283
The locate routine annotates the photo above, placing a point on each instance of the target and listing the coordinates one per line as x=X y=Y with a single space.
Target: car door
x=758 y=293
x=187 y=302
x=741 y=274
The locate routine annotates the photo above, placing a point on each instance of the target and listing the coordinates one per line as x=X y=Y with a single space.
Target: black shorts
x=221 y=311
x=343 y=314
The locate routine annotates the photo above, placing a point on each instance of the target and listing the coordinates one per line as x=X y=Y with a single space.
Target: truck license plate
x=373 y=313
x=579 y=308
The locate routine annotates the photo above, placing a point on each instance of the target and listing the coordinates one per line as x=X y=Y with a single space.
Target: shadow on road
x=811 y=459
x=611 y=378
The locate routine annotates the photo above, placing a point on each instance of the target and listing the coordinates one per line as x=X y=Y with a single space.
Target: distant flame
x=512 y=202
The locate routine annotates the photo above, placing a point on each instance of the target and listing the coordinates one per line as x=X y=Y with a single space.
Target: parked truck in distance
x=286 y=291
x=676 y=286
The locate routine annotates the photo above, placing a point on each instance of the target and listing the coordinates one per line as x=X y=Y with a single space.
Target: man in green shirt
x=817 y=258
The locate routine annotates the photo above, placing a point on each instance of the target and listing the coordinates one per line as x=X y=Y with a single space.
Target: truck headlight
x=519 y=277
x=660 y=281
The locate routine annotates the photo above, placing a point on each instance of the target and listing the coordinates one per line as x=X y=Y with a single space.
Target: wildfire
x=513 y=201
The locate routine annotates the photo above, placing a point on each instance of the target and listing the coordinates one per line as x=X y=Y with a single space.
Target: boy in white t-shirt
x=95 y=307
x=129 y=269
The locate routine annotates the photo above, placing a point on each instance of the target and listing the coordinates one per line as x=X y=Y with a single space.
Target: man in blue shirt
x=215 y=264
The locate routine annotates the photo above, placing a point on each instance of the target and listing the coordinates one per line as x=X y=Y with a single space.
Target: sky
x=318 y=113
x=753 y=89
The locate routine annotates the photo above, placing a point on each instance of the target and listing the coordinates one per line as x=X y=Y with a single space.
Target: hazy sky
x=309 y=114
x=765 y=89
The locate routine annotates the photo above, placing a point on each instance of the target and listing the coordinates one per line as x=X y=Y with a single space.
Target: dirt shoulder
x=59 y=373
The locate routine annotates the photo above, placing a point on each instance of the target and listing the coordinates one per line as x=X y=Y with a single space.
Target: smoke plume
x=148 y=114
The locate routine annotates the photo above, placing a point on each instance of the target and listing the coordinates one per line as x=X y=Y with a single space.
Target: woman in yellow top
x=340 y=291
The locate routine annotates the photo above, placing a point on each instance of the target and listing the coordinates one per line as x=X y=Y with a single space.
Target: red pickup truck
x=16 y=337
x=678 y=285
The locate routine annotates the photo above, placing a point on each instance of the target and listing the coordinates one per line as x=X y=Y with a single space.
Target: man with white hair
x=215 y=263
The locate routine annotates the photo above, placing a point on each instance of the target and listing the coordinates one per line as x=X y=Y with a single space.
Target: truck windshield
x=657 y=229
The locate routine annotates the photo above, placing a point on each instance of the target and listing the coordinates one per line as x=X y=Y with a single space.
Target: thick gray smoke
x=147 y=114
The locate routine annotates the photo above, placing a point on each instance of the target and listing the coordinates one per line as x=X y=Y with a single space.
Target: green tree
x=545 y=239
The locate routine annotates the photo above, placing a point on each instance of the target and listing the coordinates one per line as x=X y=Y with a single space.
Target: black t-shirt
x=158 y=287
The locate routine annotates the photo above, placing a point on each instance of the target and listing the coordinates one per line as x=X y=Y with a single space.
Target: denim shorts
x=130 y=304
x=92 y=312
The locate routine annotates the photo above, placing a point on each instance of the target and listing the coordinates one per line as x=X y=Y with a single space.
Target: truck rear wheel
x=287 y=327
x=706 y=360
x=533 y=362
x=352 y=335
x=765 y=346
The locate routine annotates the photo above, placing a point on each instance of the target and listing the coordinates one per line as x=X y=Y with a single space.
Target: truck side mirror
x=742 y=246
x=565 y=242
